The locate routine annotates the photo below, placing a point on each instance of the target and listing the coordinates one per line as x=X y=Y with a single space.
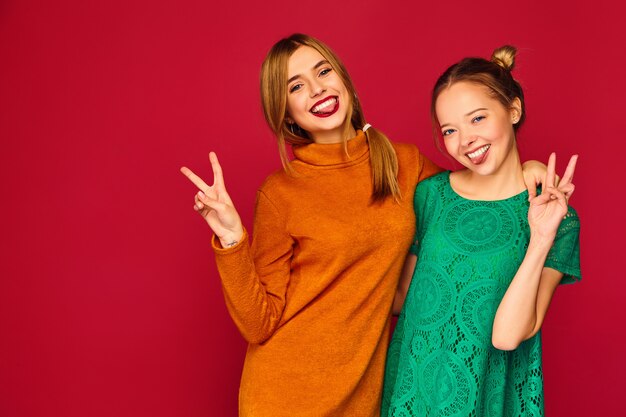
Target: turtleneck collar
x=333 y=154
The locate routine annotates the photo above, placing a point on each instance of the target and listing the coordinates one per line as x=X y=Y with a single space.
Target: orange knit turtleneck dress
x=313 y=292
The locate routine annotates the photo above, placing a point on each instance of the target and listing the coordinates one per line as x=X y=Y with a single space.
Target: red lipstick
x=325 y=107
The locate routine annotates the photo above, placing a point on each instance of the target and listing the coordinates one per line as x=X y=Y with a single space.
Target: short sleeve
x=565 y=253
x=423 y=195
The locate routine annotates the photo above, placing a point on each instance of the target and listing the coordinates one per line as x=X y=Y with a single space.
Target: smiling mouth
x=478 y=155
x=326 y=107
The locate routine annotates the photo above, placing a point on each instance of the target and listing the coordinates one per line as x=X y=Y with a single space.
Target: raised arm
x=215 y=206
x=254 y=277
x=524 y=306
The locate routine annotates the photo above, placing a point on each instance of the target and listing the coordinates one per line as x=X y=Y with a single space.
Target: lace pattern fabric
x=441 y=361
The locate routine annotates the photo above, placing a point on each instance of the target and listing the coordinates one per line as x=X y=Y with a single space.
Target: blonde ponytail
x=384 y=163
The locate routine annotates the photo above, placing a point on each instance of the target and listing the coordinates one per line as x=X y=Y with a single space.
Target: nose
x=467 y=138
x=316 y=88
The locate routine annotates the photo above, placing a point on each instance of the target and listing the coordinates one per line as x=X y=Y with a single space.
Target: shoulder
x=571 y=213
x=409 y=159
x=440 y=179
x=431 y=186
x=405 y=149
x=570 y=222
x=283 y=188
x=275 y=180
x=275 y=187
x=430 y=198
x=283 y=179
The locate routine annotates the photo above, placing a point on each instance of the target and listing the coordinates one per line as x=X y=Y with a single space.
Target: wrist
x=231 y=239
x=541 y=241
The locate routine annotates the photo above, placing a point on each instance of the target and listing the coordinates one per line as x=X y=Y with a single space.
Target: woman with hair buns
x=312 y=292
x=489 y=259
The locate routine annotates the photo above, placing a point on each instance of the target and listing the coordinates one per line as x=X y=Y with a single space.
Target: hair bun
x=504 y=56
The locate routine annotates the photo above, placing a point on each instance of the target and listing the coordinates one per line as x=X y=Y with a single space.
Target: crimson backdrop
x=110 y=304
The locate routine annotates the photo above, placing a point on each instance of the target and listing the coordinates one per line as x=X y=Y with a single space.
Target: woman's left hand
x=534 y=173
x=548 y=209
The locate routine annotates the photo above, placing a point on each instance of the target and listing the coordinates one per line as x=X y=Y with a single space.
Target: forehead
x=465 y=96
x=462 y=98
x=303 y=60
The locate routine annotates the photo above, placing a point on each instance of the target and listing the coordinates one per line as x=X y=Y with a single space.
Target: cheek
x=505 y=135
x=345 y=97
x=338 y=85
x=294 y=106
x=503 y=129
x=450 y=146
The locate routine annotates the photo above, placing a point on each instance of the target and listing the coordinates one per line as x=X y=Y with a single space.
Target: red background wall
x=110 y=304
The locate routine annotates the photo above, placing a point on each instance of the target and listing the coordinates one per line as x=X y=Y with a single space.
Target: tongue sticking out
x=325 y=110
x=327 y=107
x=480 y=158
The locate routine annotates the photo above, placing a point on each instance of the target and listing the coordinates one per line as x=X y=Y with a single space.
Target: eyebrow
x=468 y=114
x=316 y=66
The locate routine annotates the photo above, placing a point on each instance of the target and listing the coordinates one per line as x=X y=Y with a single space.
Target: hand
x=565 y=185
x=548 y=209
x=215 y=206
x=534 y=173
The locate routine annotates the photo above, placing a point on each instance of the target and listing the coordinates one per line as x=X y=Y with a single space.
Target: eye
x=325 y=71
x=447 y=132
x=295 y=87
x=477 y=119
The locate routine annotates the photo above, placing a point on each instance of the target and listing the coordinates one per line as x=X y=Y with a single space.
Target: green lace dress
x=441 y=361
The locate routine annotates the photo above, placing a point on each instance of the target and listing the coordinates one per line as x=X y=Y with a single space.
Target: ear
x=516 y=110
x=289 y=120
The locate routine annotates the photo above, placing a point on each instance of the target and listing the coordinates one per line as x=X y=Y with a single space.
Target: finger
x=568 y=193
x=572 y=190
x=560 y=197
x=209 y=202
x=218 y=181
x=198 y=182
x=542 y=198
x=569 y=171
x=198 y=203
x=532 y=191
x=566 y=189
x=550 y=173
x=210 y=193
x=218 y=176
x=555 y=194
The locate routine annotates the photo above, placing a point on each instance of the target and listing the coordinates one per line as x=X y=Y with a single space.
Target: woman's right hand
x=215 y=206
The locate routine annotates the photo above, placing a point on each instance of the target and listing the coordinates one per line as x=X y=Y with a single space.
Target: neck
x=333 y=136
x=505 y=182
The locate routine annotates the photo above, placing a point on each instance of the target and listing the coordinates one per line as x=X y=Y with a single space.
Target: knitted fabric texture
x=313 y=292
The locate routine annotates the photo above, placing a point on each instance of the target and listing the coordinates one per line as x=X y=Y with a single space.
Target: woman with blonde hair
x=312 y=292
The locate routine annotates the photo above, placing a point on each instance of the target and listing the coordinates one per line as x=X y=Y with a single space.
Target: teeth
x=478 y=152
x=325 y=104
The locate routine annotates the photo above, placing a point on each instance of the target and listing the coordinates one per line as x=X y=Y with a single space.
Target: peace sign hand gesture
x=214 y=204
x=548 y=209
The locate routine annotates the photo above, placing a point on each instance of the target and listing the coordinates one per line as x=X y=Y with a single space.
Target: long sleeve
x=255 y=277
x=313 y=291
